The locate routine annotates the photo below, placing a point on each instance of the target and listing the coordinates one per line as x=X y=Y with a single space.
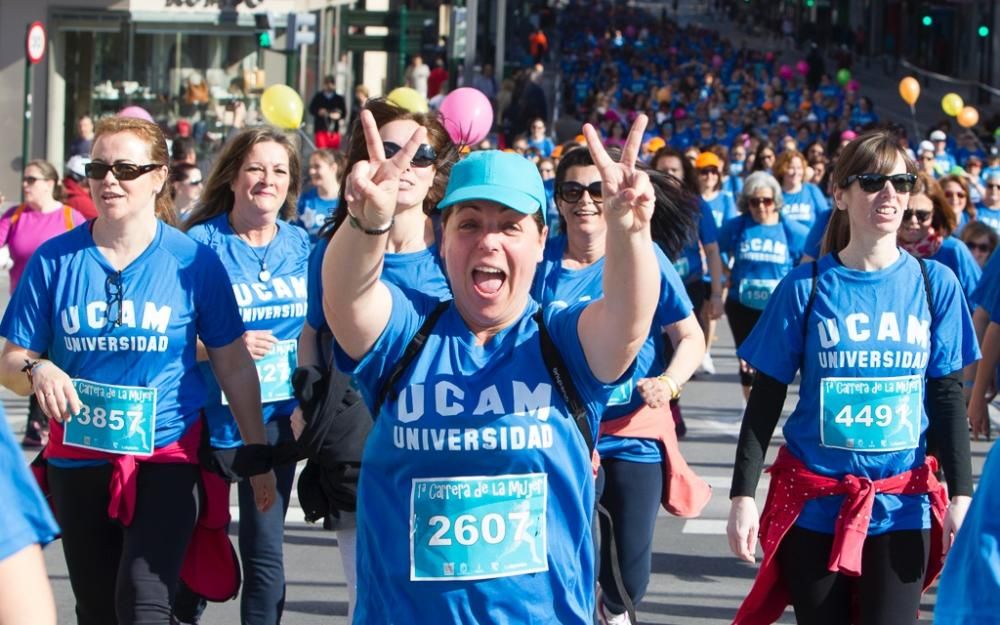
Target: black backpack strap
x=564 y=383
x=927 y=287
x=412 y=350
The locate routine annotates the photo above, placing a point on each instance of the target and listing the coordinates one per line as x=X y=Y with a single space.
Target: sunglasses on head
x=424 y=157
x=760 y=201
x=571 y=192
x=873 y=183
x=121 y=171
x=978 y=247
x=921 y=215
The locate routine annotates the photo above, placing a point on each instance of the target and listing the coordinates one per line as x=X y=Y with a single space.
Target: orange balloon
x=909 y=90
x=968 y=117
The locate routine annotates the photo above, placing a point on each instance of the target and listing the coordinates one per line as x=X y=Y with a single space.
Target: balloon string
x=306 y=138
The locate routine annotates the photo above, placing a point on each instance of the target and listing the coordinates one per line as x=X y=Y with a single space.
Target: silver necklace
x=264 y=275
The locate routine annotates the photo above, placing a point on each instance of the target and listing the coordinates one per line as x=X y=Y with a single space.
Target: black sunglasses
x=873 y=183
x=760 y=201
x=122 y=171
x=571 y=192
x=922 y=216
x=425 y=156
x=982 y=247
x=31 y=179
x=115 y=292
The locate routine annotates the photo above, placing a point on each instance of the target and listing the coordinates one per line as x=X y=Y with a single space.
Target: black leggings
x=125 y=575
x=742 y=319
x=888 y=591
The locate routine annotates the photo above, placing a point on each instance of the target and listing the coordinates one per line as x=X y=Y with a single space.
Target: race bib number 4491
x=114 y=419
x=478 y=527
x=871 y=414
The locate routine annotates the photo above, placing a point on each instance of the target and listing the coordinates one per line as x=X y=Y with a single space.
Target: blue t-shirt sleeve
x=953 y=337
x=314 y=287
x=780 y=324
x=674 y=302
x=219 y=322
x=408 y=313
x=27 y=321
x=708 y=232
x=24 y=516
x=727 y=235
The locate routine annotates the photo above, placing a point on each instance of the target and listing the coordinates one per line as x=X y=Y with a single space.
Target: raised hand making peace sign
x=628 y=193
x=373 y=185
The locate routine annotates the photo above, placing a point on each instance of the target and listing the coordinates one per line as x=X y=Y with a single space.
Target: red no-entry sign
x=35 y=42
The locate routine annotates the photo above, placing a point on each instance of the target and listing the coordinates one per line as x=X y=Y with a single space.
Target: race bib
x=275 y=372
x=114 y=419
x=683 y=267
x=754 y=292
x=622 y=394
x=871 y=414
x=478 y=527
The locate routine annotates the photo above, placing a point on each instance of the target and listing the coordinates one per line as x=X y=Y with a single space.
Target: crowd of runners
x=480 y=353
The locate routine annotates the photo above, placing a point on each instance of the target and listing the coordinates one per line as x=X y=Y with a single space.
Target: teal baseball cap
x=503 y=177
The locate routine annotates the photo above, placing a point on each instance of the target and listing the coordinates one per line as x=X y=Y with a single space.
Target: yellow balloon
x=952 y=104
x=909 y=90
x=282 y=107
x=409 y=99
x=968 y=117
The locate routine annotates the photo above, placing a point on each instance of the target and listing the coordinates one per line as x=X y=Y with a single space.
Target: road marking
x=704 y=526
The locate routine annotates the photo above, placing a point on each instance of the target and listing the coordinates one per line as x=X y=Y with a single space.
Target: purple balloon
x=802 y=67
x=136 y=111
x=716 y=61
x=853 y=85
x=467 y=115
x=785 y=72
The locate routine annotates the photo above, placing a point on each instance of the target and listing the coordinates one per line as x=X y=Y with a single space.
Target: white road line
x=704 y=526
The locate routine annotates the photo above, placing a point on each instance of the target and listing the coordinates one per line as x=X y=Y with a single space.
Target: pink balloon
x=853 y=85
x=680 y=113
x=802 y=67
x=769 y=56
x=467 y=115
x=136 y=111
x=785 y=72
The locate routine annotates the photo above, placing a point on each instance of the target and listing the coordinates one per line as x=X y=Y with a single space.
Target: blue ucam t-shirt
x=277 y=304
x=66 y=307
x=988 y=289
x=723 y=208
x=989 y=216
x=814 y=240
x=313 y=211
x=865 y=352
x=476 y=499
x=419 y=272
x=805 y=205
x=25 y=516
x=762 y=255
x=688 y=265
x=559 y=286
x=955 y=256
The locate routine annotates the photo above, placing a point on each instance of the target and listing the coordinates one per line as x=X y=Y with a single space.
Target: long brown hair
x=943 y=219
x=217 y=197
x=875 y=151
x=385 y=112
x=150 y=134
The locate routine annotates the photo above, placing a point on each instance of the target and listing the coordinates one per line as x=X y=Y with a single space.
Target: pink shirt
x=31 y=230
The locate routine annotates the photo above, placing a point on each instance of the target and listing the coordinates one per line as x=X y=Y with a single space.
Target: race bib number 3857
x=478 y=527
x=871 y=414
x=114 y=419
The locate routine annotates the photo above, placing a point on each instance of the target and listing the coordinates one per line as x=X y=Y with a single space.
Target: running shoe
x=707 y=366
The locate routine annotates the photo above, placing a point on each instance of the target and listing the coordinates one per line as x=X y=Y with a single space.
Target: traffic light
x=810 y=3
x=927 y=20
x=300 y=30
x=984 y=31
x=264 y=24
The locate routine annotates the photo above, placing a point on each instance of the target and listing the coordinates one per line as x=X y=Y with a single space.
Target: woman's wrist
x=356 y=223
x=672 y=386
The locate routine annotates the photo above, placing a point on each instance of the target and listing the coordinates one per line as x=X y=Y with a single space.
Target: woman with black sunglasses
x=856 y=523
x=117 y=307
x=633 y=466
x=926 y=232
x=412 y=262
x=764 y=246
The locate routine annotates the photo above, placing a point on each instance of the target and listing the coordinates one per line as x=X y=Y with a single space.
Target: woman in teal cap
x=476 y=499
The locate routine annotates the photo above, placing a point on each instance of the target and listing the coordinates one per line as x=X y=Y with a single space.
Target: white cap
x=938 y=135
x=783 y=119
x=75 y=165
x=925 y=146
x=811 y=117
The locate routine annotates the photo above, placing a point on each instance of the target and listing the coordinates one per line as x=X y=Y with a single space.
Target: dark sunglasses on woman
x=571 y=192
x=922 y=216
x=873 y=183
x=122 y=171
x=424 y=157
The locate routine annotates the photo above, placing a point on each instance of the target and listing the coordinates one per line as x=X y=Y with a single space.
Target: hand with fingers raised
x=628 y=194
x=373 y=184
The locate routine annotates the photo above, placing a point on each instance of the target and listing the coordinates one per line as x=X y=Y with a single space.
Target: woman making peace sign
x=477 y=494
